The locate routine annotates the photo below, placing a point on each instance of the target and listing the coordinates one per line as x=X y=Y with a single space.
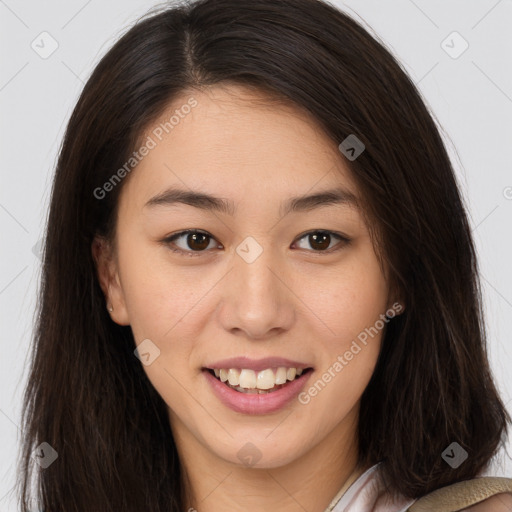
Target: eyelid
x=168 y=241
x=344 y=240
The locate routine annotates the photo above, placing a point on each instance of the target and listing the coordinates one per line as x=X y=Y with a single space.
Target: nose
x=256 y=300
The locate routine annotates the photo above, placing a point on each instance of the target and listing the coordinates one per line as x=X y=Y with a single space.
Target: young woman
x=259 y=288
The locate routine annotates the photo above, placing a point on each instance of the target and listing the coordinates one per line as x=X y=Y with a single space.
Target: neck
x=310 y=482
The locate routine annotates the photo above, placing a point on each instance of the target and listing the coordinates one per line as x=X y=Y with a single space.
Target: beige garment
x=366 y=492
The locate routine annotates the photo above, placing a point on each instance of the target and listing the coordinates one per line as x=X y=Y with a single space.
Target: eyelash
x=168 y=241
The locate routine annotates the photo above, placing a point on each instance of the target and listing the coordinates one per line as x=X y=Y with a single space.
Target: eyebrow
x=336 y=196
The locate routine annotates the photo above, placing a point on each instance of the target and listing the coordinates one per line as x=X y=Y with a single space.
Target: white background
x=471 y=97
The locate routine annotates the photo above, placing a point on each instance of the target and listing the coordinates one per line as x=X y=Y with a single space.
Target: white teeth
x=290 y=373
x=247 y=379
x=281 y=375
x=266 y=379
x=233 y=377
x=263 y=380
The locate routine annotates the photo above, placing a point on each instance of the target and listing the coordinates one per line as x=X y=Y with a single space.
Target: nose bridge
x=257 y=300
x=253 y=267
x=254 y=264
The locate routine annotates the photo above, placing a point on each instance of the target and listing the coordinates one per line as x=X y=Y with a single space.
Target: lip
x=256 y=364
x=255 y=403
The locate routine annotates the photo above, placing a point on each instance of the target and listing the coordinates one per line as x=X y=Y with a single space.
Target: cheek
x=347 y=300
x=347 y=362
x=159 y=300
x=158 y=295
x=351 y=304
x=165 y=304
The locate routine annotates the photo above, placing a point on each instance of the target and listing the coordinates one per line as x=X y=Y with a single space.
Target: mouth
x=262 y=382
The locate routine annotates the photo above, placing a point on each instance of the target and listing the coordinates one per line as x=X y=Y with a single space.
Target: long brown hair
x=87 y=395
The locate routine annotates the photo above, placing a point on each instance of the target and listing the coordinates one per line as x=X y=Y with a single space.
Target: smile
x=249 y=381
x=240 y=390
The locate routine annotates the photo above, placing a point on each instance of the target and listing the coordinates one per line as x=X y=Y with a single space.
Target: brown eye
x=320 y=241
x=197 y=241
x=190 y=241
x=193 y=243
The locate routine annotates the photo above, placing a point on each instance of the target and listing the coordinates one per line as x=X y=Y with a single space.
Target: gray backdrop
x=457 y=51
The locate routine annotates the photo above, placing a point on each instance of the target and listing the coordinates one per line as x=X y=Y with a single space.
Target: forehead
x=240 y=142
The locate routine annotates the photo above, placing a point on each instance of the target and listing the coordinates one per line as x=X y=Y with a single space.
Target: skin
x=293 y=301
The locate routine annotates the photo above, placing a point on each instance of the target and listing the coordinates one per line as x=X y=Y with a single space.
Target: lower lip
x=255 y=403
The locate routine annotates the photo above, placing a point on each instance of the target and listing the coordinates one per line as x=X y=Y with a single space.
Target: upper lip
x=256 y=364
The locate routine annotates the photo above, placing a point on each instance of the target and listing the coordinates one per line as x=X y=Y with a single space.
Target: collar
x=355 y=475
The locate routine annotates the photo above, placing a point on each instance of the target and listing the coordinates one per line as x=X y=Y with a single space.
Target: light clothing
x=368 y=494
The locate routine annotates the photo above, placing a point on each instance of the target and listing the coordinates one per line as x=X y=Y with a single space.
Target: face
x=282 y=283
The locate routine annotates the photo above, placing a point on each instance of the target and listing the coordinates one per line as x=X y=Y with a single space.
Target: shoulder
x=499 y=503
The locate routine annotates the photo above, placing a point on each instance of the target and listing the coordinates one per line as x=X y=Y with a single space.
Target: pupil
x=194 y=238
x=322 y=239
